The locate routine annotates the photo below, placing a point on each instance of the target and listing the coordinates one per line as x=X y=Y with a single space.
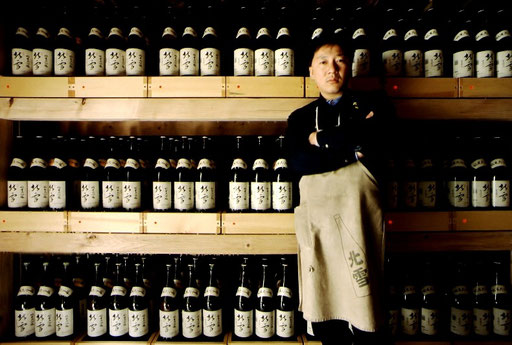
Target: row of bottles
x=127 y=297
x=156 y=173
x=458 y=296
x=460 y=173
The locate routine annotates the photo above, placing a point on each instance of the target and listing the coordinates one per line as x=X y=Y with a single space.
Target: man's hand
x=312 y=139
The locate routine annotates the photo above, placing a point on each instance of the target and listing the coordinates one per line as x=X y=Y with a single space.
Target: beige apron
x=341 y=246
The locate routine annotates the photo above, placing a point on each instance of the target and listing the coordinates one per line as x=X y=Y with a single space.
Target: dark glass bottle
x=409 y=183
x=265 y=311
x=260 y=187
x=391 y=44
x=361 y=60
x=410 y=306
x=192 y=321
x=162 y=177
x=485 y=59
x=480 y=179
x=243 y=327
x=285 y=46
x=80 y=289
x=482 y=313
x=239 y=195
x=430 y=301
x=58 y=177
x=45 y=304
x=169 y=313
x=67 y=313
x=138 y=308
x=427 y=180
x=95 y=43
x=434 y=46
x=190 y=45
x=206 y=178
x=38 y=192
x=462 y=46
x=318 y=26
x=111 y=182
x=17 y=189
x=500 y=174
x=501 y=300
x=285 y=304
x=97 y=304
x=115 y=45
x=42 y=49
x=90 y=191
x=132 y=178
x=21 y=51
x=243 y=44
x=118 y=305
x=74 y=173
x=503 y=42
x=282 y=185
x=413 y=45
x=169 y=52
x=24 y=304
x=210 y=53
x=264 y=44
x=458 y=185
x=64 y=53
x=212 y=305
x=184 y=182
x=461 y=310
x=393 y=299
x=136 y=45
x=392 y=183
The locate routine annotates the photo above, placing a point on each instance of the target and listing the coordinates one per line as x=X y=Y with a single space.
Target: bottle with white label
x=361 y=61
x=206 y=178
x=95 y=44
x=458 y=177
x=79 y=288
x=392 y=183
x=261 y=200
x=243 y=44
x=285 y=304
x=282 y=186
x=485 y=58
x=64 y=53
x=184 y=182
x=90 y=193
x=239 y=195
x=21 y=52
x=480 y=175
x=430 y=314
x=17 y=189
x=317 y=29
x=243 y=327
x=97 y=304
x=410 y=306
x=482 y=309
x=162 y=177
x=409 y=183
x=136 y=45
x=461 y=309
x=38 y=184
x=463 y=64
x=503 y=39
x=169 y=313
x=501 y=300
x=391 y=45
x=67 y=308
x=169 y=51
x=191 y=313
x=427 y=181
x=210 y=45
x=132 y=177
x=24 y=304
x=118 y=305
x=264 y=45
x=45 y=304
x=115 y=52
x=500 y=174
x=265 y=311
x=434 y=47
x=284 y=54
x=413 y=45
x=58 y=176
x=111 y=181
x=189 y=47
x=212 y=305
x=138 y=307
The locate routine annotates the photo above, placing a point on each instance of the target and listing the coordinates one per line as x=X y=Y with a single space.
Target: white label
x=264 y=62
x=131 y=195
x=45 y=291
x=390 y=33
x=429 y=321
x=135 y=61
x=392 y=62
x=458 y=163
x=502 y=34
x=191 y=292
x=460 y=290
x=96 y=322
x=57 y=195
x=132 y=163
x=481 y=321
x=479 y=163
x=242 y=32
x=500 y=193
x=458 y=193
x=210 y=61
x=498 y=162
x=413 y=60
x=358 y=32
x=260 y=163
x=205 y=195
x=189 y=61
x=498 y=289
x=118 y=291
x=118 y=322
x=65 y=291
x=265 y=324
x=138 y=291
x=411 y=194
x=212 y=323
x=485 y=64
x=96 y=32
x=90 y=194
x=91 y=163
x=427 y=193
x=115 y=63
x=38 y=194
x=283 y=32
x=410 y=34
x=94 y=62
x=17 y=194
x=431 y=33
x=501 y=321
x=284 y=64
x=38 y=162
x=463 y=63
x=184 y=163
x=162 y=163
x=21 y=61
x=64 y=322
x=45 y=322
x=169 y=61
x=482 y=34
x=480 y=193
x=169 y=292
x=410 y=321
x=138 y=323
x=212 y=291
x=97 y=291
x=26 y=291
x=284 y=291
x=64 y=62
x=285 y=323
x=282 y=196
x=42 y=62
x=361 y=63
x=265 y=292
x=504 y=64
x=238 y=163
x=243 y=326
x=24 y=322
x=22 y=31
x=162 y=195
x=260 y=195
x=136 y=31
x=169 y=324
x=238 y=195
x=112 y=195
x=460 y=35
x=244 y=292
x=209 y=31
x=18 y=163
x=192 y=325
x=243 y=62
x=205 y=163
x=460 y=321
x=434 y=63
x=183 y=195
x=115 y=31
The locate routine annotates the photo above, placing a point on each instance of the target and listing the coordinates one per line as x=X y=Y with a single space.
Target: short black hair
x=330 y=40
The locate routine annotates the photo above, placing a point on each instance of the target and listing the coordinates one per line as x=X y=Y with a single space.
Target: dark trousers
x=337 y=332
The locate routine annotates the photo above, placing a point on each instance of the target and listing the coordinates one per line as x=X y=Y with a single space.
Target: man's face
x=329 y=69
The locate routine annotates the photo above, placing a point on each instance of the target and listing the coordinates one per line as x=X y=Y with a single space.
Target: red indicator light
x=390 y=222
x=395 y=87
x=464 y=220
x=471 y=87
x=8 y=86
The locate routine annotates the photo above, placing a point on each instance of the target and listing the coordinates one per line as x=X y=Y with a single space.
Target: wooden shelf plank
x=417 y=221
x=51 y=242
x=119 y=87
x=34 y=221
x=486 y=87
x=106 y=222
x=359 y=84
x=187 y=86
x=36 y=342
x=34 y=87
x=265 y=87
x=257 y=223
x=422 y=87
x=182 y=223
x=482 y=220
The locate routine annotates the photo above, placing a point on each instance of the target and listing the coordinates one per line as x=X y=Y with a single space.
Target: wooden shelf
x=265 y=87
x=83 y=340
x=182 y=223
x=186 y=87
x=268 y=223
x=111 y=87
x=106 y=222
x=34 y=221
x=259 y=342
x=485 y=87
x=417 y=221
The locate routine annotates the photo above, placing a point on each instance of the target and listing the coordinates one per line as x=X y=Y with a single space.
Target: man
x=334 y=145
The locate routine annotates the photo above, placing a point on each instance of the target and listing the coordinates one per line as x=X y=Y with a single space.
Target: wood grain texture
x=485 y=87
x=6 y=294
x=186 y=87
x=417 y=221
x=122 y=87
x=106 y=222
x=34 y=86
x=247 y=223
x=34 y=221
x=422 y=87
x=265 y=87
x=182 y=223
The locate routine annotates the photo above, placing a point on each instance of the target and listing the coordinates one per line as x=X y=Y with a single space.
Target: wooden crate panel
x=106 y=222
x=187 y=87
x=260 y=342
x=257 y=223
x=36 y=342
x=359 y=84
x=157 y=341
x=33 y=221
x=265 y=86
x=182 y=223
x=34 y=87
x=311 y=88
x=84 y=340
x=108 y=87
x=422 y=87
x=482 y=220
x=417 y=221
x=485 y=87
